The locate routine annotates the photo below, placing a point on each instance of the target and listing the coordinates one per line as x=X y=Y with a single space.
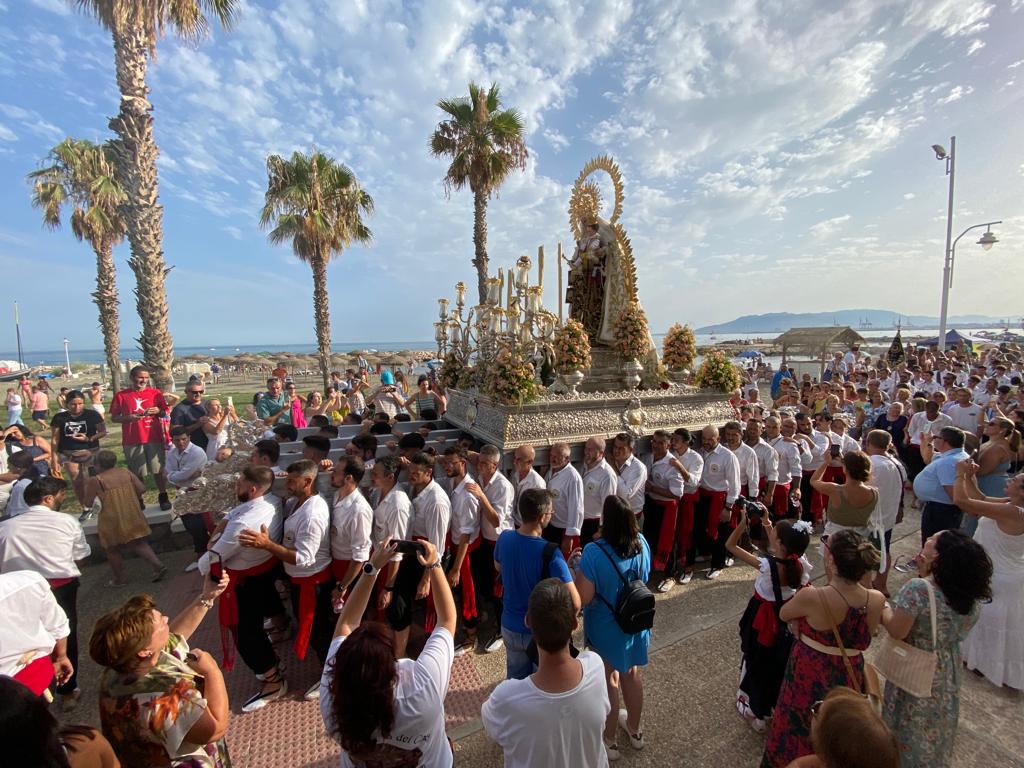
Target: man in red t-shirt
x=141 y=411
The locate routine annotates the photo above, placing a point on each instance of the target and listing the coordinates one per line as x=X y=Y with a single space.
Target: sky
x=776 y=155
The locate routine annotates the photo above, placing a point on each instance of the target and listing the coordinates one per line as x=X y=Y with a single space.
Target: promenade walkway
x=689 y=714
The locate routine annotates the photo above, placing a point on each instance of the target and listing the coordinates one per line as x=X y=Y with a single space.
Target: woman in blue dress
x=620 y=549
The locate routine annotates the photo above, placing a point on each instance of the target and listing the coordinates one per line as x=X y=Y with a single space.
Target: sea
x=754 y=342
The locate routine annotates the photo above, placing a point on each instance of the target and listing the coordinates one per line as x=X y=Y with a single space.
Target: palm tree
x=80 y=174
x=135 y=26
x=485 y=144
x=316 y=203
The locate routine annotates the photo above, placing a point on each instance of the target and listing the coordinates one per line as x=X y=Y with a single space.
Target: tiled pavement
x=689 y=718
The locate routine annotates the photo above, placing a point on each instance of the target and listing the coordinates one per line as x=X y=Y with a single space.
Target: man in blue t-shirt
x=519 y=557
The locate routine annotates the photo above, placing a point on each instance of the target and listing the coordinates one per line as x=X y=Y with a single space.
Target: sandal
x=260 y=699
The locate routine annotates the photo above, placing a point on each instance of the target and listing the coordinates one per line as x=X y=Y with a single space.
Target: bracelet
x=208 y=604
x=436 y=564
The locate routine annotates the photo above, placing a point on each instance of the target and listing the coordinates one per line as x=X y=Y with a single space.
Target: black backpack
x=634 y=606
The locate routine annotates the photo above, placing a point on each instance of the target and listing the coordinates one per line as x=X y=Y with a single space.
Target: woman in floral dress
x=816 y=663
x=961 y=575
x=161 y=704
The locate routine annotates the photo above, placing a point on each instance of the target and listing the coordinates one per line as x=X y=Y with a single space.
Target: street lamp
x=986 y=242
x=67 y=358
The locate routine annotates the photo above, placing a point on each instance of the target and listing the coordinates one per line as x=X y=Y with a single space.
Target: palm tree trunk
x=135 y=153
x=480 y=241
x=105 y=297
x=322 y=315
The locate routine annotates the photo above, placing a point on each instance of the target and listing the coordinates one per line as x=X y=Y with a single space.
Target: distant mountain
x=855 y=318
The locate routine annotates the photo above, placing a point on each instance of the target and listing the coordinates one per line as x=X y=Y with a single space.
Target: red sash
x=715 y=502
x=684 y=526
x=36 y=675
x=766 y=621
x=307 y=607
x=465 y=581
x=339 y=568
x=58 y=583
x=227 y=609
x=667 y=533
x=780 y=500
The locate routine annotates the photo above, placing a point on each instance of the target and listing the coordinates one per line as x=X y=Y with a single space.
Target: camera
x=756 y=513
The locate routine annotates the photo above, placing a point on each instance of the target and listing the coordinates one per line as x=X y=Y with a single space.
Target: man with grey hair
x=496 y=496
x=599 y=482
x=526 y=477
x=887 y=475
x=566 y=488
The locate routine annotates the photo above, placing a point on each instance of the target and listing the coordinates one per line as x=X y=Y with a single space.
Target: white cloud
x=975 y=46
x=909 y=196
x=6 y=134
x=54 y=6
x=956 y=94
x=828 y=226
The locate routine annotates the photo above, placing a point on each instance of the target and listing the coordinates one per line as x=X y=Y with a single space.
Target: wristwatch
x=370 y=569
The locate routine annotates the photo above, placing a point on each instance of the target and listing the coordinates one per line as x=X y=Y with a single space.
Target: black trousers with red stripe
x=67 y=598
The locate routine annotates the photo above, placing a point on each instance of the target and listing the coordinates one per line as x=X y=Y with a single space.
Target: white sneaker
x=665 y=585
x=193 y=566
x=313 y=694
x=729 y=562
x=685 y=577
x=636 y=740
x=714 y=573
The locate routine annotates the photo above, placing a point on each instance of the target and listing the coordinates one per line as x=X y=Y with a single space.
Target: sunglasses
x=197 y=391
x=816 y=708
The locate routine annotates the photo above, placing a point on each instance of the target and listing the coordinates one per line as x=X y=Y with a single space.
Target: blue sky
x=776 y=155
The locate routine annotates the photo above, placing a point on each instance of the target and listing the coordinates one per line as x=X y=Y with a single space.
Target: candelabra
x=520 y=323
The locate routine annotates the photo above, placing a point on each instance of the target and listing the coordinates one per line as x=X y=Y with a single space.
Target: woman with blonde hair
x=161 y=702
x=219 y=419
x=995 y=457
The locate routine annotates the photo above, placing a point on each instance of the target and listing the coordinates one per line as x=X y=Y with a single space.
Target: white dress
x=995 y=647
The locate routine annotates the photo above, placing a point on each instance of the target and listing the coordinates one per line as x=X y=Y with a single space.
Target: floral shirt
x=146 y=719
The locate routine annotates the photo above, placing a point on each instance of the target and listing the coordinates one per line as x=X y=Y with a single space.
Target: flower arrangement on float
x=510 y=377
x=452 y=368
x=572 y=348
x=214 y=490
x=631 y=332
x=679 y=349
x=716 y=371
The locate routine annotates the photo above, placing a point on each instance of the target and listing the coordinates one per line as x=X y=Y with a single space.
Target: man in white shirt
x=964 y=413
x=599 y=482
x=690 y=465
x=253 y=574
x=391 y=518
x=663 y=490
x=839 y=435
x=632 y=473
x=816 y=446
x=887 y=475
x=465 y=542
x=750 y=474
x=929 y=422
x=305 y=551
x=790 y=470
x=431 y=514
x=526 y=476
x=566 y=487
x=353 y=520
x=51 y=543
x=496 y=496
x=34 y=632
x=767 y=462
x=185 y=462
x=556 y=716
x=719 y=489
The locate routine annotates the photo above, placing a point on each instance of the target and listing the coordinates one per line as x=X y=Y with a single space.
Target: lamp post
x=987 y=240
x=67 y=358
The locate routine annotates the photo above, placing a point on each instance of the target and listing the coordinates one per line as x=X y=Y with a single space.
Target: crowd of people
x=390 y=557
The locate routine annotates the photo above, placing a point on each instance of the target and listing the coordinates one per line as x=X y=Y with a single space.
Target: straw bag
x=907 y=667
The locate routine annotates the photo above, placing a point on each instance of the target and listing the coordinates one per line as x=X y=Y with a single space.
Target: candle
x=443 y=303
x=460 y=293
x=522 y=272
x=510 y=281
x=561 y=293
x=540 y=265
x=501 y=285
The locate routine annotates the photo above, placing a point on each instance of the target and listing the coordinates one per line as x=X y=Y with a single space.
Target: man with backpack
x=523 y=558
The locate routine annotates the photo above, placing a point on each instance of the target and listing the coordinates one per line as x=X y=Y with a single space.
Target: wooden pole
x=540 y=265
x=561 y=293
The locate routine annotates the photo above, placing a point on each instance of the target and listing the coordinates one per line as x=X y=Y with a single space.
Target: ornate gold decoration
x=585 y=206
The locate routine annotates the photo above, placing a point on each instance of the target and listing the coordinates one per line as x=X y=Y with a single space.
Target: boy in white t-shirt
x=556 y=716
